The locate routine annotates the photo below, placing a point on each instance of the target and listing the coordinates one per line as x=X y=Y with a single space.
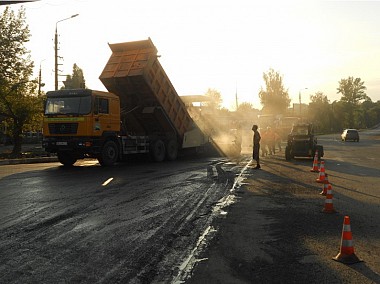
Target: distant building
x=298 y=110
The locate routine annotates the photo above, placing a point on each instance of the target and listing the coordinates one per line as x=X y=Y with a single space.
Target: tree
x=275 y=99
x=319 y=98
x=353 y=92
x=75 y=81
x=245 y=107
x=18 y=104
x=367 y=114
x=320 y=112
x=216 y=99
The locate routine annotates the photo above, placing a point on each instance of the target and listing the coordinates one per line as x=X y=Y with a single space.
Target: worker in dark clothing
x=256 y=146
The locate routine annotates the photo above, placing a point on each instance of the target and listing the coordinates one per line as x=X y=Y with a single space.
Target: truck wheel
x=157 y=151
x=109 y=154
x=66 y=159
x=288 y=156
x=171 y=150
x=320 y=151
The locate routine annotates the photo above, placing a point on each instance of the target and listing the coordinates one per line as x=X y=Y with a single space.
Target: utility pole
x=236 y=98
x=299 y=96
x=56 y=52
x=56 y=58
x=40 y=84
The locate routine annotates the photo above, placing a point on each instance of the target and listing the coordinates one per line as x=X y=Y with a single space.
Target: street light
x=299 y=95
x=40 y=84
x=56 y=51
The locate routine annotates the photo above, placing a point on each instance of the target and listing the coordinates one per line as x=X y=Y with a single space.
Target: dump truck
x=140 y=114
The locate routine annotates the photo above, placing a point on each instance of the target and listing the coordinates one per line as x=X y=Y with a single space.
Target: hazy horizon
x=221 y=45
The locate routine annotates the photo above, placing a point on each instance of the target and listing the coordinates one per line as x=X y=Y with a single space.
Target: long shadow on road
x=300 y=221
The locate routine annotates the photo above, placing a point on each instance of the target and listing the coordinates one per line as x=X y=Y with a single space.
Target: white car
x=350 y=134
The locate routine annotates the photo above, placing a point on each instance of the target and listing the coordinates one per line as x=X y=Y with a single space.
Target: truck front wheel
x=157 y=151
x=66 y=158
x=109 y=154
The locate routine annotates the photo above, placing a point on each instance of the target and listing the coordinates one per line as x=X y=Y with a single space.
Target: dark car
x=350 y=135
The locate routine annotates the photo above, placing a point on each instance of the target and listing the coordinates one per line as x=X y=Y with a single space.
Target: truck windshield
x=68 y=105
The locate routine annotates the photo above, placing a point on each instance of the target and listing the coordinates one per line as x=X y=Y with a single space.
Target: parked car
x=350 y=134
x=31 y=137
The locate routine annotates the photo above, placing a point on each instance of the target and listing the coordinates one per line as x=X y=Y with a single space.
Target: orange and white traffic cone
x=315 y=168
x=329 y=206
x=346 y=254
x=326 y=186
x=321 y=176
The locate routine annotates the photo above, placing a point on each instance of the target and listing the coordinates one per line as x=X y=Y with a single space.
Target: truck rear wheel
x=109 y=154
x=66 y=158
x=320 y=151
x=157 y=151
x=171 y=150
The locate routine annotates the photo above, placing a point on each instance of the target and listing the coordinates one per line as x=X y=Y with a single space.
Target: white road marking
x=107 y=181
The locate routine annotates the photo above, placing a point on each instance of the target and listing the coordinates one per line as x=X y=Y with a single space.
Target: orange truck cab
x=77 y=123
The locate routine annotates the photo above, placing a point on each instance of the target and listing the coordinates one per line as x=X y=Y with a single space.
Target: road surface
x=129 y=223
x=277 y=233
x=143 y=222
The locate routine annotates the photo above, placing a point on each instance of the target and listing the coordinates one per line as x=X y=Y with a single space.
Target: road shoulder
x=276 y=233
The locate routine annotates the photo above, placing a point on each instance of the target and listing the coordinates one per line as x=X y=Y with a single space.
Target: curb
x=28 y=161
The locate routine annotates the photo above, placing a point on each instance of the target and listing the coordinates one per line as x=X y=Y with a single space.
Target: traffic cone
x=329 y=207
x=326 y=186
x=315 y=168
x=321 y=176
x=346 y=254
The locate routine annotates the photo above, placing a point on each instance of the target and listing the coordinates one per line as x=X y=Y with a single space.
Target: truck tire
x=320 y=151
x=157 y=151
x=66 y=158
x=288 y=155
x=171 y=150
x=109 y=154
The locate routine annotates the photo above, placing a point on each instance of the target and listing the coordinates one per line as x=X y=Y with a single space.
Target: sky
x=217 y=44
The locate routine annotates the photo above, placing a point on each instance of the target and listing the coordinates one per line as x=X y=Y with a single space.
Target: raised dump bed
x=134 y=73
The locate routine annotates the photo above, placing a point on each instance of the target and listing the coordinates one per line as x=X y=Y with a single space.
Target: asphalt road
x=131 y=223
x=277 y=232
x=143 y=222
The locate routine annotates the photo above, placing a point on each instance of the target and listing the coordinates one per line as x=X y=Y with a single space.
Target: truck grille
x=63 y=128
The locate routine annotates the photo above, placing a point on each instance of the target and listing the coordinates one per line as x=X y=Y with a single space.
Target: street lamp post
x=299 y=95
x=56 y=51
x=40 y=84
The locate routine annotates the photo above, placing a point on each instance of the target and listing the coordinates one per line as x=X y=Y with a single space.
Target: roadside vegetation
x=20 y=104
x=354 y=109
